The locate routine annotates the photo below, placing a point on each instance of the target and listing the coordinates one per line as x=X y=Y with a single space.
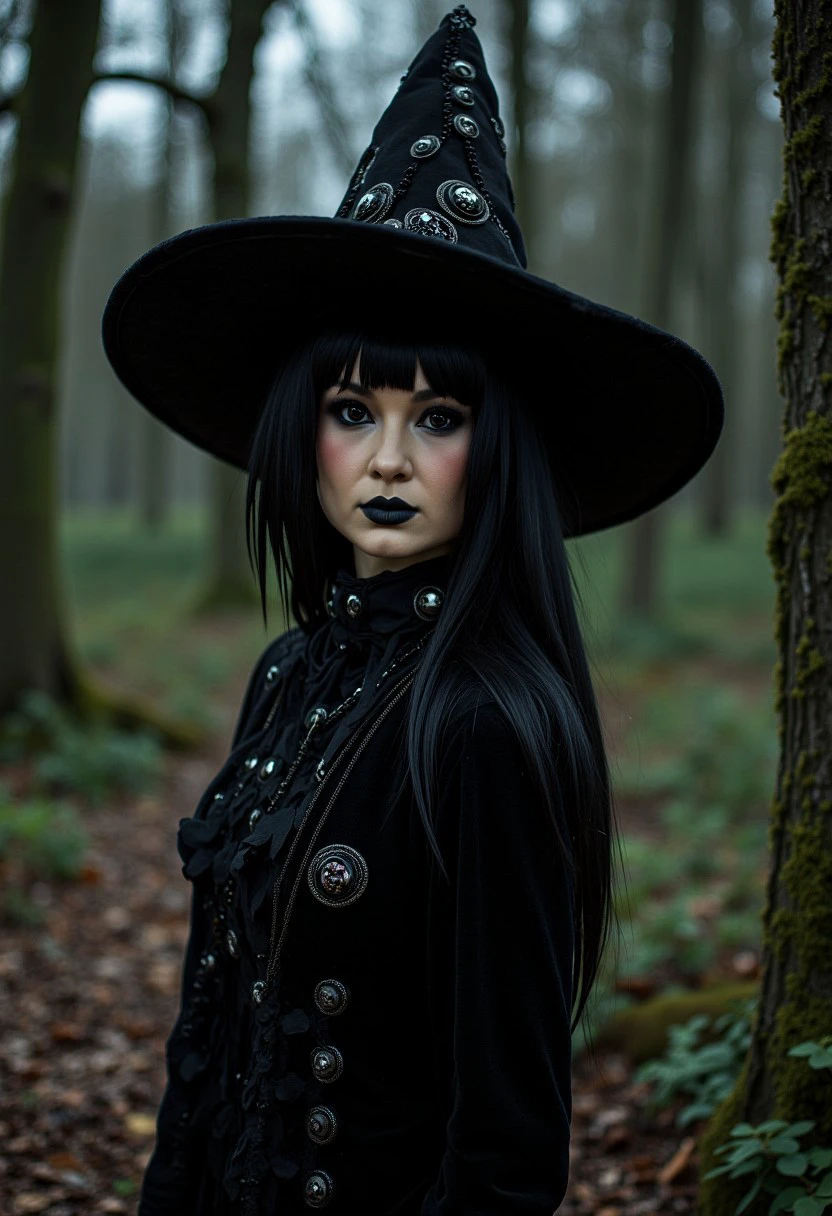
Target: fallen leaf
x=678 y=1162
x=139 y=1124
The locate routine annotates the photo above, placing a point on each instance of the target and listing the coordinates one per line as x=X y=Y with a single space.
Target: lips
x=389 y=504
x=381 y=510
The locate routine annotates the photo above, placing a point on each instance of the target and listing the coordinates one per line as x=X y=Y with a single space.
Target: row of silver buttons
x=332 y=997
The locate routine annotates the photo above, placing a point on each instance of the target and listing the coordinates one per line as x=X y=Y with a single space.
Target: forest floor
x=88 y=997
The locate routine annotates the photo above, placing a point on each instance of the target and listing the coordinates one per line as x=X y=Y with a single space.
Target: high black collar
x=393 y=601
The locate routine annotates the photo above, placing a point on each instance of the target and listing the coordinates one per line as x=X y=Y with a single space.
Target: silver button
x=319 y=771
x=427 y=602
x=251 y=762
x=208 y=961
x=327 y=1063
x=268 y=768
x=463 y=94
x=231 y=943
x=272 y=673
x=318 y=714
x=337 y=875
x=330 y=607
x=466 y=126
x=331 y=997
x=258 y=991
x=318 y=1189
x=321 y=1124
x=461 y=69
x=254 y=818
x=353 y=605
x=425 y=146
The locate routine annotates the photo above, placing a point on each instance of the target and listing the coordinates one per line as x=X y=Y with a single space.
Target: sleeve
x=167 y=1185
x=259 y=691
x=507 y=970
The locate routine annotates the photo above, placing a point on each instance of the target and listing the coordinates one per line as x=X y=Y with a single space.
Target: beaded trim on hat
x=460 y=19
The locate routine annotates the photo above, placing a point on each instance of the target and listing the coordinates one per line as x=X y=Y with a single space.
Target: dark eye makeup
x=454 y=416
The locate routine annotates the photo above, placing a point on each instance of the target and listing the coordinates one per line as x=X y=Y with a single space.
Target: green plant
x=706 y=1071
x=38 y=840
x=773 y=1153
x=799 y=1178
x=93 y=760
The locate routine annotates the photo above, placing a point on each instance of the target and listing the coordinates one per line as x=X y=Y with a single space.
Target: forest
x=671 y=159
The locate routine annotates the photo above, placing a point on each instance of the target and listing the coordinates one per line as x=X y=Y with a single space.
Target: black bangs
x=451 y=371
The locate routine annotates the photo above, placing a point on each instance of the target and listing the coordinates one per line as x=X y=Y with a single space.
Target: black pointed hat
x=426 y=235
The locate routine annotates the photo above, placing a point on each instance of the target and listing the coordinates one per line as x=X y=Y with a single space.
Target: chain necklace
x=259 y=988
x=321 y=715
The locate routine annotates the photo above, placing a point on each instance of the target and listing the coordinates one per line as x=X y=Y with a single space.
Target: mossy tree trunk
x=796 y=991
x=36 y=651
x=642 y=550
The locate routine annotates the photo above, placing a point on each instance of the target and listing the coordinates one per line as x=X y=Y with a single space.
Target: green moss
x=803 y=142
x=821 y=307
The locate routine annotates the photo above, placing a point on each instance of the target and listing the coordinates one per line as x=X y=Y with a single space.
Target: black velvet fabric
x=455 y=1095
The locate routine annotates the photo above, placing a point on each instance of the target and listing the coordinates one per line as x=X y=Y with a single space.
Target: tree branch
x=178 y=95
x=319 y=80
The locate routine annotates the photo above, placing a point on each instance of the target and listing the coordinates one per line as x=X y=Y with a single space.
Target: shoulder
x=278 y=655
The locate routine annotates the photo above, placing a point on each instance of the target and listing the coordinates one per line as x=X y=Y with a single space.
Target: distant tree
x=35 y=650
x=722 y=251
x=642 y=551
x=516 y=19
x=796 y=991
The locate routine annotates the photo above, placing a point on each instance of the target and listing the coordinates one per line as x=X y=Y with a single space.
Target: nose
x=390 y=460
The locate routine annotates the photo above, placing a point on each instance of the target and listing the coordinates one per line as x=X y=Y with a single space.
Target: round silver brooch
x=427 y=602
x=327 y=1063
x=425 y=146
x=430 y=223
x=331 y=997
x=462 y=94
x=337 y=875
x=461 y=69
x=374 y=204
x=321 y=1124
x=353 y=605
x=466 y=126
x=462 y=202
x=318 y=1189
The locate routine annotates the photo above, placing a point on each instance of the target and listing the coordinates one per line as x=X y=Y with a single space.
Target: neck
x=368 y=564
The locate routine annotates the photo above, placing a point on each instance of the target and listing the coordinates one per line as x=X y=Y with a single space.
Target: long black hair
x=508 y=618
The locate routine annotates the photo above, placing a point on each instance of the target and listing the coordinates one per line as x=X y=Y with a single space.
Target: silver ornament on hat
x=466 y=126
x=374 y=203
x=462 y=202
x=462 y=94
x=461 y=69
x=430 y=223
x=425 y=146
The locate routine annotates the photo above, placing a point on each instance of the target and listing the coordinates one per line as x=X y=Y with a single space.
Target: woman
x=401 y=875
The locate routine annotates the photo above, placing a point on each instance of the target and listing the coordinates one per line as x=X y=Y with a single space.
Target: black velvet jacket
x=439 y=1011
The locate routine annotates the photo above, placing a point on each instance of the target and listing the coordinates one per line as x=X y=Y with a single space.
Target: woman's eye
x=451 y=418
x=337 y=408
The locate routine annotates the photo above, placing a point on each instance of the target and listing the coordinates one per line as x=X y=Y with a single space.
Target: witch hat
x=197 y=328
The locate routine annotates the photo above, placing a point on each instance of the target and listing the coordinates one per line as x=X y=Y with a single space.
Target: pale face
x=393 y=444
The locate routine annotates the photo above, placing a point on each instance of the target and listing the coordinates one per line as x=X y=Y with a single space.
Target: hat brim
x=197 y=328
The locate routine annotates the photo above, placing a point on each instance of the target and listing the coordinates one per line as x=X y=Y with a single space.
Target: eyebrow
x=424 y=394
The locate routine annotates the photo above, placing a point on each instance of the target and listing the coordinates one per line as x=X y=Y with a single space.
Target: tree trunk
x=37 y=213
x=230 y=581
x=521 y=100
x=639 y=589
x=796 y=990
x=154 y=437
x=737 y=77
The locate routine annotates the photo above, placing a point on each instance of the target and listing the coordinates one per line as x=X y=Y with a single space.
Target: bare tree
x=796 y=992
x=639 y=590
x=36 y=651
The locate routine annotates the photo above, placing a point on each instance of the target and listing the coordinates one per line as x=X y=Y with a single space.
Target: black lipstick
x=380 y=510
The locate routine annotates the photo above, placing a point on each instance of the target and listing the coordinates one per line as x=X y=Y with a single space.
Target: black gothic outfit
x=442 y=1011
